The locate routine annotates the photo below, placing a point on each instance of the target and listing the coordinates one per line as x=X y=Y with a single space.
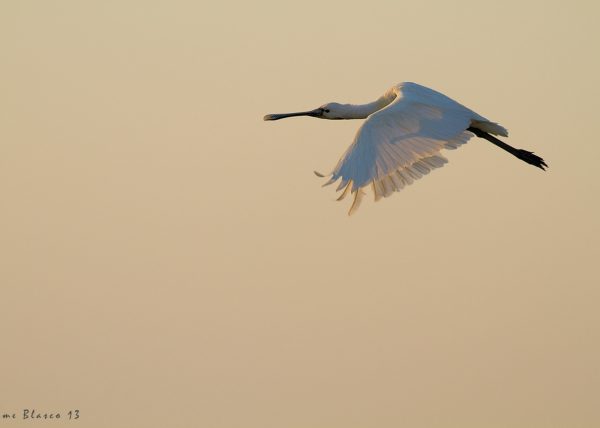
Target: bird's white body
x=402 y=139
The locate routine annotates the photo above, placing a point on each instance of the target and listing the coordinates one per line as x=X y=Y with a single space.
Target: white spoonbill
x=401 y=140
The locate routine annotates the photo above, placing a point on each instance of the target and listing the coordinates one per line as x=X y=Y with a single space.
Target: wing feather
x=357 y=200
x=345 y=192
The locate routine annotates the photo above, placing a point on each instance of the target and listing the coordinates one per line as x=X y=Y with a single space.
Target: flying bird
x=402 y=139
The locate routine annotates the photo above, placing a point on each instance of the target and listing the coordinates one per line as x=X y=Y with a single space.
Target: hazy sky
x=168 y=259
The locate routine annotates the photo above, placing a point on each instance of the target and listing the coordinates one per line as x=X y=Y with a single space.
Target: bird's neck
x=362 y=111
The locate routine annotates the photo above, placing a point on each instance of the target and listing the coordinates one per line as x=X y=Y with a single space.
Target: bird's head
x=331 y=111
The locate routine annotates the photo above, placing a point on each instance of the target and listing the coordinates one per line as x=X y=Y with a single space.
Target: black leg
x=524 y=155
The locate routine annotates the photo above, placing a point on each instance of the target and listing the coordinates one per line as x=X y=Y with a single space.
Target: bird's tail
x=491 y=127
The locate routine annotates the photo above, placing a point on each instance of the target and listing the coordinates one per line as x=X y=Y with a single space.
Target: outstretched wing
x=402 y=142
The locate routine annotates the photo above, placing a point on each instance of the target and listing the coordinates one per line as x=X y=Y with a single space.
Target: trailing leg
x=524 y=155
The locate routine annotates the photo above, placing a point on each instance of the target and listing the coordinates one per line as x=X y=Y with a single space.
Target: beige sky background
x=168 y=259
